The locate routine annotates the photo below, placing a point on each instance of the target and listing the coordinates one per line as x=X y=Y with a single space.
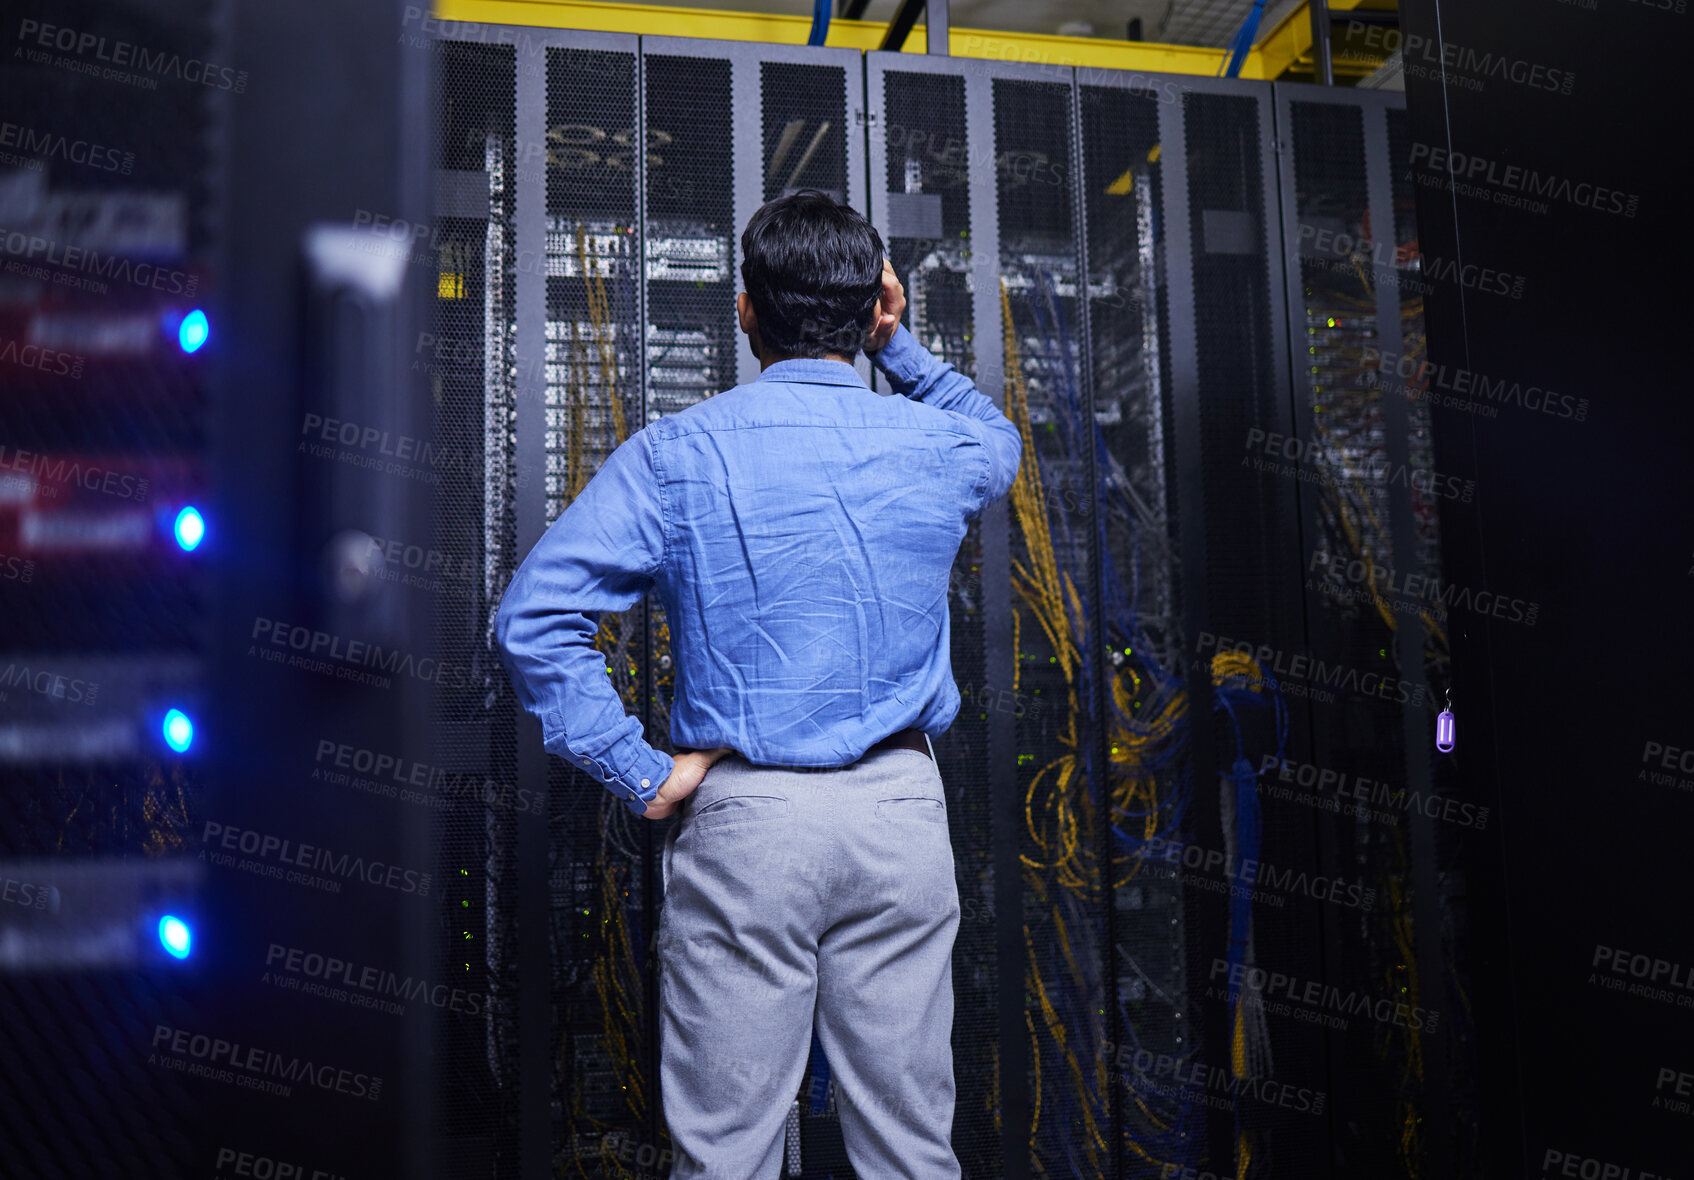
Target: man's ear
x=749 y=325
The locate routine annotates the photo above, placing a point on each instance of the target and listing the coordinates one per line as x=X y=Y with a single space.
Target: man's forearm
x=919 y=374
x=558 y=673
x=597 y=558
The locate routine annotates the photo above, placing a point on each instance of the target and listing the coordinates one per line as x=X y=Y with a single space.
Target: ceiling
x=1183 y=22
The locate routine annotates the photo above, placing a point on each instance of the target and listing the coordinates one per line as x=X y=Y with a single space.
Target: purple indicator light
x=1444 y=732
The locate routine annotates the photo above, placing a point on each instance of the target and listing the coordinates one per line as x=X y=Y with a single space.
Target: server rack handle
x=354 y=403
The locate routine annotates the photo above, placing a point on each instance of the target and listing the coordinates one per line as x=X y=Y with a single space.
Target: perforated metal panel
x=597 y=192
x=473 y=371
x=598 y=853
x=1056 y=611
x=1146 y=712
x=1371 y=546
x=933 y=200
x=1237 y=527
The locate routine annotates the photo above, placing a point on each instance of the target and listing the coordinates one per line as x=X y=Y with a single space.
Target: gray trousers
x=794 y=896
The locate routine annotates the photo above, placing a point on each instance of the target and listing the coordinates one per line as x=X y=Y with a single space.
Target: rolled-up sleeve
x=601 y=554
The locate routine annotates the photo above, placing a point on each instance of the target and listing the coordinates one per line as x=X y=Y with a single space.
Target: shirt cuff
x=641 y=786
x=635 y=788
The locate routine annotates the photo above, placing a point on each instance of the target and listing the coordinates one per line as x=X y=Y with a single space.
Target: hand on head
x=890 y=306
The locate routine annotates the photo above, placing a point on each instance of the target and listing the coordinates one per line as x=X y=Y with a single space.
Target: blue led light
x=175 y=936
x=194 y=331
x=190 y=528
x=179 y=730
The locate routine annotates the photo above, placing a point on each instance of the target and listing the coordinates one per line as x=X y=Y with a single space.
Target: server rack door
x=474 y=369
x=1372 y=565
x=538 y=357
x=975 y=174
x=590 y=310
x=1146 y=713
x=731 y=126
x=930 y=126
x=1204 y=322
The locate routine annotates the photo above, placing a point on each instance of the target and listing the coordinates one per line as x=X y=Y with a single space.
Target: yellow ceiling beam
x=714 y=24
x=1286 y=46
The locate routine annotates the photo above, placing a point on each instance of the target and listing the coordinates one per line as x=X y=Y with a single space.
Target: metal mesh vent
x=1414 y=347
x=803 y=113
x=599 y=859
x=473 y=371
x=1055 y=617
x=924 y=126
x=926 y=224
x=1335 y=331
x=1147 y=703
x=1233 y=327
x=1336 y=334
x=1245 y=592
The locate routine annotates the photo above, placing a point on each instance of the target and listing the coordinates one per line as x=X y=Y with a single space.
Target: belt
x=905 y=739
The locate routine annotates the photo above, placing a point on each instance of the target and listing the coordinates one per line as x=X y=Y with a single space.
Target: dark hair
x=813 y=271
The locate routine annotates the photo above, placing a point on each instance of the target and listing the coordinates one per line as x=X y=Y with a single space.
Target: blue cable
x=820 y=22
x=1243 y=40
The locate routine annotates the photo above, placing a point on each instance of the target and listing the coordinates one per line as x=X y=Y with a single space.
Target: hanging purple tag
x=1444 y=727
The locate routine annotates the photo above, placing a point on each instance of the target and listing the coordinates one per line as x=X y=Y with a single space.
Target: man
x=800 y=531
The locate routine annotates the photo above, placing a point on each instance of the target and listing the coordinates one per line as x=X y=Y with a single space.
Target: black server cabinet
x=1152 y=655
x=1378 y=616
x=183 y=685
x=1130 y=542
x=592 y=190
x=110 y=235
x=1249 y=1090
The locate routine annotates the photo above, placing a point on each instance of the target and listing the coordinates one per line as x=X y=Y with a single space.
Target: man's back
x=799 y=531
x=815 y=524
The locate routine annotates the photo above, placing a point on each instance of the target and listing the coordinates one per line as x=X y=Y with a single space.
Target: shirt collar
x=814 y=371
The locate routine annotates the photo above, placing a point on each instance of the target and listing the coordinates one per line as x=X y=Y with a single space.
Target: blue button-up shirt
x=800 y=531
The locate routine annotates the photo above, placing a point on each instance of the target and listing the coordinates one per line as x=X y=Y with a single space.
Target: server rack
x=1226 y=366
x=1112 y=257
x=602 y=184
x=1112 y=416
x=180 y=243
x=104 y=619
x=1374 y=601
